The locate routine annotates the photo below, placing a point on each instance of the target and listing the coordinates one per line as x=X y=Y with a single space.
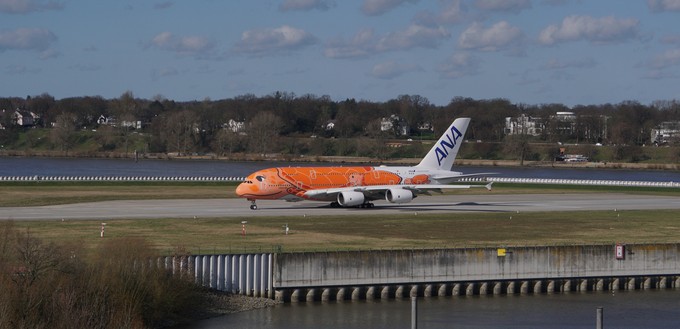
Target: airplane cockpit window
x=259 y=178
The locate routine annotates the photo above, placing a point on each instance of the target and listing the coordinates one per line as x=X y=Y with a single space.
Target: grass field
x=330 y=233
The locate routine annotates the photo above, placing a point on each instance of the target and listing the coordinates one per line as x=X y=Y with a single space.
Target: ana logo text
x=446 y=143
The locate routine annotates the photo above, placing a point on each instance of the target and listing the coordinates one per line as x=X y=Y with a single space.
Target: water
x=16 y=166
x=633 y=309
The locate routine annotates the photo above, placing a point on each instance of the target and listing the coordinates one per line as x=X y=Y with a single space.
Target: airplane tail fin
x=444 y=151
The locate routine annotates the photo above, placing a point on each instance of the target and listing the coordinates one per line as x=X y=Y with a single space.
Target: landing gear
x=335 y=204
x=253 y=206
x=367 y=205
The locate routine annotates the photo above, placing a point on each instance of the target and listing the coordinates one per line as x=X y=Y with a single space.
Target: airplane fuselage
x=291 y=183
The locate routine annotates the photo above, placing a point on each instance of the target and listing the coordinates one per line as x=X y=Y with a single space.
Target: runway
x=206 y=208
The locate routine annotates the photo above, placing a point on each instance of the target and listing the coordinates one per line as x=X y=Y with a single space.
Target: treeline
x=276 y=122
x=45 y=285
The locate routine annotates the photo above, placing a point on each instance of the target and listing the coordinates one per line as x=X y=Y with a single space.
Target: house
x=24 y=118
x=396 y=124
x=524 y=125
x=666 y=132
x=330 y=125
x=234 y=126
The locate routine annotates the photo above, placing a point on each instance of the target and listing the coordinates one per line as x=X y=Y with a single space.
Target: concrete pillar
x=484 y=289
x=356 y=293
x=326 y=295
x=566 y=286
x=470 y=289
x=428 y=291
x=235 y=274
x=311 y=295
x=198 y=269
x=270 y=277
x=455 y=291
x=257 y=272
x=676 y=282
x=598 y=285
x=538 y=287
x=524 y=288
x=220 y=273
x=342 y=294
x=441 y=292
x=249 y=276
x=280 y=296
x=583 y=285
x=663 y=283
x=227 y=273
x=646 y=283
x=385 y=292
x=414 y=291
x=551 y=287
x=370 y=293
x=511 y=288
x=399 y=292
x=498 y=288
x=631 y=284
x=615 y=284
x=242 y=275
x=264 y=275
x=213 y=271
x=295 y=296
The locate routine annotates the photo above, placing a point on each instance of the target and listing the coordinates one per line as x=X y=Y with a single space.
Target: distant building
x=396 y=124
x=234 y=126
x=524 y=125
x=24 y=118
x=330 y=125
x=666 y=132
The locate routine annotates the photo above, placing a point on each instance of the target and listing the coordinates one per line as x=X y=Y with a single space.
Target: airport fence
x=513 y=180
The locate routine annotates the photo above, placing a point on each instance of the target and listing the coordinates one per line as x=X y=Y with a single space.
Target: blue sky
x=528 y=51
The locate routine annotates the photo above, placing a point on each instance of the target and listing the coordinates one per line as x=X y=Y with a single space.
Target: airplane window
x=259 y=178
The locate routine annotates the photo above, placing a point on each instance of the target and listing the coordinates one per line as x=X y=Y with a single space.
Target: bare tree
x=63 y=133
x=263 y=129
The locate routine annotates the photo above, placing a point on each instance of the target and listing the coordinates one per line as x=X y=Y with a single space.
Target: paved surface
x=435 y=204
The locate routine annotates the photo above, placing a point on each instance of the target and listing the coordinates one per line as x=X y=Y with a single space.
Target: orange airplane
x=357 y=186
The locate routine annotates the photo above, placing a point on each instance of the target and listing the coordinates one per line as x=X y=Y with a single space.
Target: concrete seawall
x=326 y=276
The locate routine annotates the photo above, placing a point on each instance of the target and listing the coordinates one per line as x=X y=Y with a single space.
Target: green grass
x=332 y=233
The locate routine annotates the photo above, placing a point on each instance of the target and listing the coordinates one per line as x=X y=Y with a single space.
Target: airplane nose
x=240 y=190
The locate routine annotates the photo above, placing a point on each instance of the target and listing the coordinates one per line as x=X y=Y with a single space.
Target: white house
x=666 y=132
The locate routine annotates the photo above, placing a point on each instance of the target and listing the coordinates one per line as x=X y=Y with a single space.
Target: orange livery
x=358 y=186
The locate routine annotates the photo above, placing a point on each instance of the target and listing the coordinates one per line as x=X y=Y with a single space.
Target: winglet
x=444 y=151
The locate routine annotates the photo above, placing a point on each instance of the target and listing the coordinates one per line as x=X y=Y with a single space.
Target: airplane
x=358 y=186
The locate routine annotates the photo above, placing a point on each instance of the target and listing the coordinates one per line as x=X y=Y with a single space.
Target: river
x=20 y=166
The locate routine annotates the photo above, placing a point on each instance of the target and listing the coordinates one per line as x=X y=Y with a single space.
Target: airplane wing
x=378 y=191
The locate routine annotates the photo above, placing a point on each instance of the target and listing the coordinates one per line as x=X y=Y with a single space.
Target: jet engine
x=350 y=199
x=398 y=195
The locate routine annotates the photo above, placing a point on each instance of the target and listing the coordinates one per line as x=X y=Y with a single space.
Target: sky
x=572 y=52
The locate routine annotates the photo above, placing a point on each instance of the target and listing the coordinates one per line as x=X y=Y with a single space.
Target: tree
x=64 y=131
x=262 y=130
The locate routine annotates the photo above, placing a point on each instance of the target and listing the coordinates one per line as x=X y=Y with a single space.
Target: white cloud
x=26 y=39
x=459 y=65
x=390 y=70
x=379 y=7
x=667 y=59
x=361 y=45
x=306 y=5
x=414 y=36
x=450 y=13
x=27 y=6
x=194 y=45
x=513 y=6
x=499 y=36
x=269 y=41
x=366 y=43
x=596 y=30
x=555 y=64
x=663 y=5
